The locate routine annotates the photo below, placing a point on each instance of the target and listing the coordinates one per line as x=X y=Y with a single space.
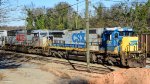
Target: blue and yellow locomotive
x=107 y=45
x=114 y=45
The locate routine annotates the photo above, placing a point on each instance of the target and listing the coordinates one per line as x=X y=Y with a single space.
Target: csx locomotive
x=107 y=45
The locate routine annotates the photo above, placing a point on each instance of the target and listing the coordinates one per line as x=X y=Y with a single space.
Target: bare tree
x=4 y=10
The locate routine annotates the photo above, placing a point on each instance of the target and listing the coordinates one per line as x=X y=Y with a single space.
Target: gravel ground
x=18 y=70
x=26 y=73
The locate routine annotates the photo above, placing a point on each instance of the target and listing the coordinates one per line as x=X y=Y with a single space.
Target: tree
x=50 y=19
x=30 y=19
x=35 y=18
x=63 y=9
x=61 y=16
x=4 y=10
x=148 y=17
x=39 y=18
x=140 y=18
x=98 y=19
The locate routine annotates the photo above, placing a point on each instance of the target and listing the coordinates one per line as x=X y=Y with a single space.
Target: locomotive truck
x=107 y=45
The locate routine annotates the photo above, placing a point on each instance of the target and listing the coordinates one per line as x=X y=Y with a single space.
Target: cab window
x=116 y=35
x=121 y=33
x=108 y=37
x=43 y=34
x=36 y=34
x=127 y=34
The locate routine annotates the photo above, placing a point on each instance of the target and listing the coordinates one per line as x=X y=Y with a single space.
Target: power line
x=57 y=10
x=70 y=6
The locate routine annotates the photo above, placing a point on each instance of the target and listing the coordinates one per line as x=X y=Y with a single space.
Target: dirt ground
x=36 y=73
x=125 y=76
x=18 y=71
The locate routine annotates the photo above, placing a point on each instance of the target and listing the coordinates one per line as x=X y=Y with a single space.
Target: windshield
x=126 y=33
x=43 y=34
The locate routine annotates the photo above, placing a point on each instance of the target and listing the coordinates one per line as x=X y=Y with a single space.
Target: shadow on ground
x=76 y=80
x=8 y=61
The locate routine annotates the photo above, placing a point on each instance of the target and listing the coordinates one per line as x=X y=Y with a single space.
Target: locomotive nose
x=129 y=44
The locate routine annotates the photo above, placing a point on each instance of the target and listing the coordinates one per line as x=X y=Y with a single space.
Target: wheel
x=137 y=61
x=100 y=59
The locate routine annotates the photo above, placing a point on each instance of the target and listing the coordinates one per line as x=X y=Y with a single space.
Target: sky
x=17 y=16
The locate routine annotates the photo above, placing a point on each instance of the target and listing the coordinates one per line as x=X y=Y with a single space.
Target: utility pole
x=87 y=35
x=77 y=16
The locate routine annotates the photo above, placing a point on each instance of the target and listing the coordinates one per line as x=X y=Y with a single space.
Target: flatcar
x=107 y=45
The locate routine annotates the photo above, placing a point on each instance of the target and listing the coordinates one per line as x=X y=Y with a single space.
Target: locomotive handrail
x=128 y=47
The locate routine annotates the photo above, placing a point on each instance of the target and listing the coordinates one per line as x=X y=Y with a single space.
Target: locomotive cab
x=112 y=38
x=40 y=38
x=121 y=42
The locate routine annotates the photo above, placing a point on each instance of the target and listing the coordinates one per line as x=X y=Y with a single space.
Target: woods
x=64 y=16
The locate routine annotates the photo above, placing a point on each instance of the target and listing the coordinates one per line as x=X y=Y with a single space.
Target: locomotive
x=107 y=45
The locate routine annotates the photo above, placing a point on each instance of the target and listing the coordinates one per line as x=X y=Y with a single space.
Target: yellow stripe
x=68 y=48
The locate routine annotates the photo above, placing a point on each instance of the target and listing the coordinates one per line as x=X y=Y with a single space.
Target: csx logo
x=78 y=37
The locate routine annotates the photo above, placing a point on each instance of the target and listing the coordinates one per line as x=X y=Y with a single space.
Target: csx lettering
x=78 y=37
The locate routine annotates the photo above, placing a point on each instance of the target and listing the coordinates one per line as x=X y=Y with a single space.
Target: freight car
x=107 y=45
x=144 y=43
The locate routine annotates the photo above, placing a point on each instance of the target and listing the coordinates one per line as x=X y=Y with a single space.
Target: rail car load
x=107 y=45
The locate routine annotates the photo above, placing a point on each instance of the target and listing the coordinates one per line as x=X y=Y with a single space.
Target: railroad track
x=76 y=65
x=79 y=66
